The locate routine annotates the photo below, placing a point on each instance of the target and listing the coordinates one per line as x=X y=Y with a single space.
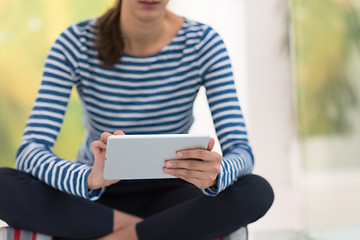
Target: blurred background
x=297 y=67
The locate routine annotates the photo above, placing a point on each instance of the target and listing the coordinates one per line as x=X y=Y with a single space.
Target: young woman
x=137 y=69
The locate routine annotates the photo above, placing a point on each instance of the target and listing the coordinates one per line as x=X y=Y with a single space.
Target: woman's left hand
x=199 y=167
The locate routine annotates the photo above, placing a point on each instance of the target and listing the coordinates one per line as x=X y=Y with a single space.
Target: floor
x=274 y=235
x=339 y=233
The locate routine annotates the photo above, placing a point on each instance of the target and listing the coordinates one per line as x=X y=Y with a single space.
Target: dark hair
x=109 y=42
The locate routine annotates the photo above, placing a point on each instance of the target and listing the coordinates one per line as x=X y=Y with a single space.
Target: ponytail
x=109 y=42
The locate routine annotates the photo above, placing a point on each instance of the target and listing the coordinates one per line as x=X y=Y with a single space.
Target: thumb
x=211 y=144
x=119 y=132
x=99 y=148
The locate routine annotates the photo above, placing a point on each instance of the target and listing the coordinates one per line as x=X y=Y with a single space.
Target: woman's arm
x=215 y=173
x=216 y=71
x=35 y=154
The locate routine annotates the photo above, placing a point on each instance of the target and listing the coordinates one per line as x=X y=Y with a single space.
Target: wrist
x=90 y=182
x=214 y=185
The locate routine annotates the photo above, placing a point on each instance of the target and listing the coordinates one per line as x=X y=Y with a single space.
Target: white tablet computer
x=143 y=156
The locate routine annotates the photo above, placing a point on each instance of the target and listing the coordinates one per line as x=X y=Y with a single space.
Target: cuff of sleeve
x=215 y=190
x=90 y=194
x=95 y=194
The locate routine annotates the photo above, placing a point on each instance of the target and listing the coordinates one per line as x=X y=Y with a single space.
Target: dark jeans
x=172 y=208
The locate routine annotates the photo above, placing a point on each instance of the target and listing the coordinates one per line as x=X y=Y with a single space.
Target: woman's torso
x=139 y=95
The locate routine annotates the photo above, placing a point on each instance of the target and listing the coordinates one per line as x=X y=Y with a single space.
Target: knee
x=261 y=192
x=10 y=191
x=249 y=198
x=6 y=177
x=13 y=183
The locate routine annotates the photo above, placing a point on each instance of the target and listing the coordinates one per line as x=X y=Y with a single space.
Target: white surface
x=2 y=224
x=272 y=125
x=275 y=235
x=330 y=199
x=271 y=107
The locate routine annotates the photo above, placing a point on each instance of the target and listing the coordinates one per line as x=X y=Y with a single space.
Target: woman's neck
x=142 y=38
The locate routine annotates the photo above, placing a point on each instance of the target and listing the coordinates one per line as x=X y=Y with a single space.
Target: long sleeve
x=216 y=72
x=35 y=154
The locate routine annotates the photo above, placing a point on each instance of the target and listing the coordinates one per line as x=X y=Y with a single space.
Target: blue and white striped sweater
x=139 y=95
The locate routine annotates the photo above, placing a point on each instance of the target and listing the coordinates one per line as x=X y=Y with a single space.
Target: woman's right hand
x=96 y=177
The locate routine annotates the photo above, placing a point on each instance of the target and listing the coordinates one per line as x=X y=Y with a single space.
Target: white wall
x=272 y=123
x=227 y=18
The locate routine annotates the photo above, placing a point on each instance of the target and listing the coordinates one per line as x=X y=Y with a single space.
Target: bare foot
x=127 y=233
x=123 y=220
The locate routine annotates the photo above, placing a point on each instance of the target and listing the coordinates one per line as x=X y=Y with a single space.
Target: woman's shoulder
x=199 y=29
x=77 y=37
x=79 y=32
x=75 y=40
x=198 y=33
x=86 y=28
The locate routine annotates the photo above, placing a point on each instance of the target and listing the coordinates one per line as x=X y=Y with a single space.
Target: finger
x=99 y=144
x=186 y=173
x=110 y=182
x=201 y=154
x=194 y=181
x=200 y=183
x=98 y=148
x=188 y=164
x=211 y=144
x=105 y=136
x=119 y=132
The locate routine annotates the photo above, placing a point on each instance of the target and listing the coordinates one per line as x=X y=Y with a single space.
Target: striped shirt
x=139 y=95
